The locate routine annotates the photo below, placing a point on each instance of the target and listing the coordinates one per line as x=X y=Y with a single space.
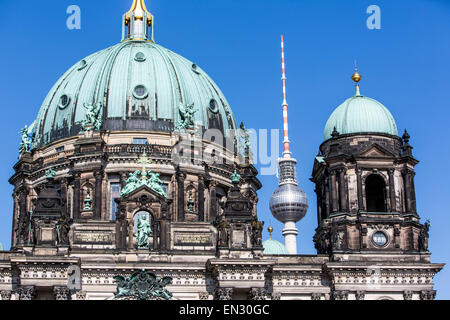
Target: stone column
x=76 y=195
x=27 y=292
x=361 y=204
x=224 y=294
x=327 y=197
x=319 y=204
x=213 y=201
x=164 y=236
x=98 y=195
x=407 y=178
x=343 y=193
x=130 y=234
x=334 y=193
x=24 y=217
x=392 y=190
x=180 y=179
x=64 y=194
x=201 y=199
x=15 y=220
x=413 y=193
x=156 y=227
x=121 y=230
x=61 y=293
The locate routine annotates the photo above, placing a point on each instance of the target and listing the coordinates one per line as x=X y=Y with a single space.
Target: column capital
x=407 y=295
x=340 y=295
x=258 y=294
x=6 y=295
x=360 y=295
x=61 y=293
x=224 y=293
x=26 y=292
x=316 y=296
x=427 y=295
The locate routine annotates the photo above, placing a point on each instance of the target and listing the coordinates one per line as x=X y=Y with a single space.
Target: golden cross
x=144 y=160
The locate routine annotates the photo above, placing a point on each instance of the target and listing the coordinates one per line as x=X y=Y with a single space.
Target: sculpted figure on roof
x=93 y=119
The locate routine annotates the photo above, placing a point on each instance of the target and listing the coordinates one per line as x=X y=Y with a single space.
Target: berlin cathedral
x=132 y=184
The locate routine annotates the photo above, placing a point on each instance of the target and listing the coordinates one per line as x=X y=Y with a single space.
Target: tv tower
x=288 y=203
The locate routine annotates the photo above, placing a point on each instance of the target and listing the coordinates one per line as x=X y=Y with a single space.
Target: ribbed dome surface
x=360 y=114
x=134 y=80
x=274 y=247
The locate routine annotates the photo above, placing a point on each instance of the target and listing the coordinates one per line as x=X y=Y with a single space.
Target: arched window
x=375 y=193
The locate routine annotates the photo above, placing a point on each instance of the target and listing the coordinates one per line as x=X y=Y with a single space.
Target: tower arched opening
x=375 y=193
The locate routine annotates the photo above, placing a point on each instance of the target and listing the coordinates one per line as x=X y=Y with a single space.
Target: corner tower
x=288 y=203
x=364 y=176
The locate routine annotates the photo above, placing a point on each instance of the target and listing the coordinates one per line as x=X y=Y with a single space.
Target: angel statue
x=159 y=289
x=143 y=232
x=93 y=120
x=25 y=144
x=187 y=116
x=132 y=183
x=155 y=183
x=124 y=285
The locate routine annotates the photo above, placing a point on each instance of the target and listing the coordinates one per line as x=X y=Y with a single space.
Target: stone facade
x=211 y=246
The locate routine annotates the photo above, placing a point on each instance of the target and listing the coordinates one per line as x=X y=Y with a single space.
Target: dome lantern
x=138 y=23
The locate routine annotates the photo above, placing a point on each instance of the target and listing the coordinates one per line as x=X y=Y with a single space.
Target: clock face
x=379 y=238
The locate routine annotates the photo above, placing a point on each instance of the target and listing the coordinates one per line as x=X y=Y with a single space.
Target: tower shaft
x=286 y=152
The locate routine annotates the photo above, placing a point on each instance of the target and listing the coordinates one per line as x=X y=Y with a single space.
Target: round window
x=64 y=101
x=82 y=64
x=140 y=92
x=195 y=68
x=213 y=106
x=139 y=57
x=379 y=238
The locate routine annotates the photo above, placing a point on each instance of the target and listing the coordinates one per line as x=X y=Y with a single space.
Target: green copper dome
x=274 y=247
x=140 y=86
x=360 y=114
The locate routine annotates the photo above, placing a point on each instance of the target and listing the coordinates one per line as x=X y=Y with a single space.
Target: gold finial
x=356 y=77
x=138 y=7
x=270 y=229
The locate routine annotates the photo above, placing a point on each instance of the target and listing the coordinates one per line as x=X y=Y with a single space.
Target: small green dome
x=360 y=114
x=274 y=247
x=141 y=86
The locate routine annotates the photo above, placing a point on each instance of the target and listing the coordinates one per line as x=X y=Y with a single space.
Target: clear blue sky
x=405 y=65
